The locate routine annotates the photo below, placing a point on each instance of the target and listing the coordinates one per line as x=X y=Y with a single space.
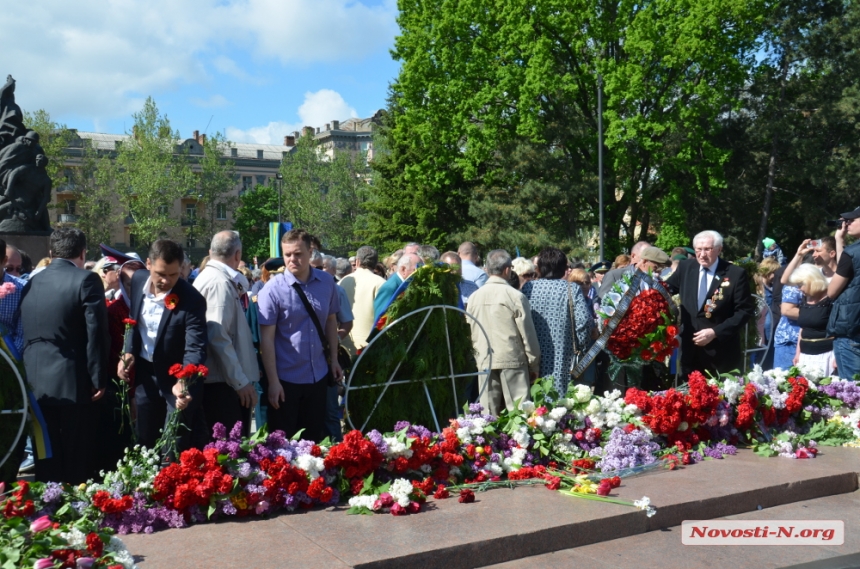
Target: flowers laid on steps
x=578 y=443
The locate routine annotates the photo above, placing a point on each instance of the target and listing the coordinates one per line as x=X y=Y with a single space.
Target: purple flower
x=844 y=389
x=219 y=432
x=475 y=408
x=53 y=492
x=375 y=437
x=625 y=450
x=236 y=432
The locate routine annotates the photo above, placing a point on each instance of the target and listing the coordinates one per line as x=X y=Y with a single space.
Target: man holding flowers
x=171 y=329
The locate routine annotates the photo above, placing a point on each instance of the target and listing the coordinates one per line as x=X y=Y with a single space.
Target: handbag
x=323 y=340
x=577 y=352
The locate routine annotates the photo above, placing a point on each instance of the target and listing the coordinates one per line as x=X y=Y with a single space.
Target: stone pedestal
x=36 y=245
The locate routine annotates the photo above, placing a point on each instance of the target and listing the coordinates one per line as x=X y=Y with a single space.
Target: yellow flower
x=240 y=500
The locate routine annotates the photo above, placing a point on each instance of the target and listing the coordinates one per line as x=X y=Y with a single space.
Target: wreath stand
x=427 y=310
x=23 y=412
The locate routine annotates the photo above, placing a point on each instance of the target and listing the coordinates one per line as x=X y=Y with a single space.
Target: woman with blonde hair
x=814 y=347
x=524 y=269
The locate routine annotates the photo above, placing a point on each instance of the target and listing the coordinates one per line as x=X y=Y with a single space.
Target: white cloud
x=317 y=109
x=213 y=102
x=98 y=58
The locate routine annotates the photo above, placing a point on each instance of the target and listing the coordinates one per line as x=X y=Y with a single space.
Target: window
x=132 y=241
x=261 y=179
x=221 y=211
x=71 y=205
x=191 y=210
x=246 y=183
x=259 y=155
x=163 y=210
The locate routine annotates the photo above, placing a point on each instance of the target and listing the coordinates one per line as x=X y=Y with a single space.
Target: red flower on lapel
x=171 y=301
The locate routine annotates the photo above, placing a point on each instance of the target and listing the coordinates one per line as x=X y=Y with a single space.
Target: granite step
x=503 y=524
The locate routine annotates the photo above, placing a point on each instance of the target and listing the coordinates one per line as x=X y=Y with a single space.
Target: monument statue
x=25 y=187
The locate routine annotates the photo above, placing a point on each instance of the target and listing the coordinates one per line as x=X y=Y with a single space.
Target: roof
x=104 y=141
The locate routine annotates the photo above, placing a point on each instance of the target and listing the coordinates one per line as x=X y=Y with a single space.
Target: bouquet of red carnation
x=188 y=374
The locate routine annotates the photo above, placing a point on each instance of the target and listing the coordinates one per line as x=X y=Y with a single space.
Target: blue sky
x=258 y=69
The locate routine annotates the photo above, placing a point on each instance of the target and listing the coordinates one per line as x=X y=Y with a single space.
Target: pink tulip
x=85 y=562
x=2 y=487
x=40 y=524
x=44 y=563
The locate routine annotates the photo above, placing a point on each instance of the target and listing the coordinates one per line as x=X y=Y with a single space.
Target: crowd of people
x=272 y=339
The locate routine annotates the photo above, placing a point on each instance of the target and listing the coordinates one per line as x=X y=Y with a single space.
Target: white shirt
x=712 y=273
x=151 y=311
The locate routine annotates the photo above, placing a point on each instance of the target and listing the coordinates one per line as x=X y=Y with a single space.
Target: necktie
x=703 y=287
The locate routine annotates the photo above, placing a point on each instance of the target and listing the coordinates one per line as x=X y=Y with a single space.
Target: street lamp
x=600 y=158
x=280 y=178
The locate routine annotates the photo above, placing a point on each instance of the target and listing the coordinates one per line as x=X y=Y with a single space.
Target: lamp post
x=280 y=178
x=600 y=157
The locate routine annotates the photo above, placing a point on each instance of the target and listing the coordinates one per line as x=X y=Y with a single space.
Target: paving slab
x=663 y=548
x=504 y=524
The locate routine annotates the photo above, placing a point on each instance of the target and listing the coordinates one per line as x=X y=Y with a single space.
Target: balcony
x=67 y=218
x=189 y=221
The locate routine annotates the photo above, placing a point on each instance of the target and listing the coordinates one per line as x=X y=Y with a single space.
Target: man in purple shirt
x=290 y=344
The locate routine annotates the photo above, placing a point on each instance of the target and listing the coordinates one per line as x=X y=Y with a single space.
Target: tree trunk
x=771 y=167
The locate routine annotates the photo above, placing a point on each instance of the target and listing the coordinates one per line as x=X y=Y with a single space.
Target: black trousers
x=304 y=407
x=72 y=430
x=156 y=402
x=221 y=405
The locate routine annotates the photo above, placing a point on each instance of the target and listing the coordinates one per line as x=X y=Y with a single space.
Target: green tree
x=257 y=208
x=215 y=184
x=498 y=101
x=54 y=138
x=152 y=174
x=324 y=195
x=97 y=204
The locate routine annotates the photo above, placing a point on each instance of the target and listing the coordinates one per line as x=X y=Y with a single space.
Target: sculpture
x=25 y=187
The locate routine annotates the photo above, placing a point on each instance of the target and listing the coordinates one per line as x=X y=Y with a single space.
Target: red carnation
x=553 y=482
x=95 y=544
x=466 y=496
x=441 y=492
x=129 y=322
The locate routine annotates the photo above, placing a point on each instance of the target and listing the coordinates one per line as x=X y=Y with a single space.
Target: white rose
x=527 y=407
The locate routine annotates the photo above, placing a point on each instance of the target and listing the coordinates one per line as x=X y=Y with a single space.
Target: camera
x=837 y=223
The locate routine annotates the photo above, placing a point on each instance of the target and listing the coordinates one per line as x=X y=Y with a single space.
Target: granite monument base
x=36 y=245
x=508 y=525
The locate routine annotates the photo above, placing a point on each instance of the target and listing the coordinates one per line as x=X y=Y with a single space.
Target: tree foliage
x=152 y=174
x=496 y=104
x=323 y=195
x=215 y=185
x=98 y=208
x=257 y=207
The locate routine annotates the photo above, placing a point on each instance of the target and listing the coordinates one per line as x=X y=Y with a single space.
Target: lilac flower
x=276 y=440
x=625 y=450
x=844 y=389
x=375 y=437
x=236 y=432
x=401 y=425
x=53 y=492
x=219 y=432
x=475 y=408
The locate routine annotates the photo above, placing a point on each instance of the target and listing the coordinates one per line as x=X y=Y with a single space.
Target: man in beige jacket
x=361 y=287
x=506 y=317
x=230 y=391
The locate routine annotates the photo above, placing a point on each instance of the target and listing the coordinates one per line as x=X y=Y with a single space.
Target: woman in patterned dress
x=550 y=297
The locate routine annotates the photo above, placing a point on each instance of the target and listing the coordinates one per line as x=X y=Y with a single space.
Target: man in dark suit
x=715 y=304
x=66 y=345
x=171 y=329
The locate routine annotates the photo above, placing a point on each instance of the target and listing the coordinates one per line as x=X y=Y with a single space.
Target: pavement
x=532 y=524
x=663 y=548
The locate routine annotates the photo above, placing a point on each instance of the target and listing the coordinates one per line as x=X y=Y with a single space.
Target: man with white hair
x=715 y=304
x=407 y=265
x=361 y=288
x=230 y=391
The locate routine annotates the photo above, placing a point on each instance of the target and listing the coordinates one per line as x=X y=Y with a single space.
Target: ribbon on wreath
x=38 y=426
x=636 y=281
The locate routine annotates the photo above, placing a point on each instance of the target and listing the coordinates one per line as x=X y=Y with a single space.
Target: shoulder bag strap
x=576 y=351
x=314 y=317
